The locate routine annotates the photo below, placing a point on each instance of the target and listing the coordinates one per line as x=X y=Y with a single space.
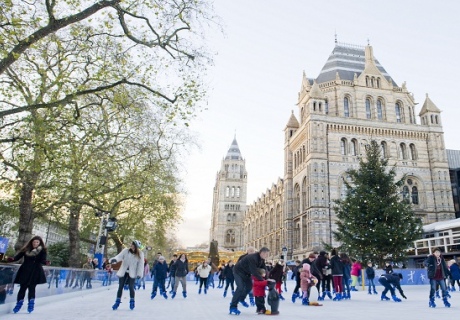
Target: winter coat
x=296 y=273
x=172 y=268
x=228 y=273
x=181 y=268
x=455 y=272
x=336 y=266
x=203 y=271
x=394 y=279
x=431 y=267
x=160 y=271
x=306 y=280
x=277 y=273
x=31 y=270
x=131 y=263
x=356 y=269
x=258 y=287
x=388 y=269
x=313 y=268
x=370 y=273
x=321 y=263
x=248 y=266
x=346 y=271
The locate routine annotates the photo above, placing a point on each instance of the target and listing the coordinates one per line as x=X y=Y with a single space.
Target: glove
x=113 y=261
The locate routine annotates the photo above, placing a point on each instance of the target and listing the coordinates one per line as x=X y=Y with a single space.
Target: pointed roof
x=429 y=106
x=346 y=60
x=305 y=82
x=233 y=152
x=292 y=123
x=316 y=92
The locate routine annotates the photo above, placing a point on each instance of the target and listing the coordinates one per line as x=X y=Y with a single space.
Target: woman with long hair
x=132 y=268
x=31 y=271
x=181 y=275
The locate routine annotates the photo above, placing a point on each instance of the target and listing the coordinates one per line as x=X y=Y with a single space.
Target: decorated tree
x=373 y=220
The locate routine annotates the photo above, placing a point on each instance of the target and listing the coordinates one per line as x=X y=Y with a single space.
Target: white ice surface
x=96 y=304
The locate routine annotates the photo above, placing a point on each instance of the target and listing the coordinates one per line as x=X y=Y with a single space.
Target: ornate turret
x=430 y=113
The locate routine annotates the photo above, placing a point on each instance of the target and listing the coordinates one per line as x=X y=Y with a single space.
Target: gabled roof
x=429 y=106
x=316 y=92
x=292 y=123
x=233 y=152
x=346 y=60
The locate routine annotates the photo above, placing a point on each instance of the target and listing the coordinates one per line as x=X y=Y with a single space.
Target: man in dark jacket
x=242 y=271
x=172 y=273
x=437 y=271
x=391 y=281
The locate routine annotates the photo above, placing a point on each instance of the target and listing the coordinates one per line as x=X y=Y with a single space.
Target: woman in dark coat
x=31 y=272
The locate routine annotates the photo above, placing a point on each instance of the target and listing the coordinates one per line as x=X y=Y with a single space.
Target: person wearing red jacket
x=258 y=288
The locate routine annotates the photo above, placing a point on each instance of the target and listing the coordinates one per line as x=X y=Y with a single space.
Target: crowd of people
x=332 y=275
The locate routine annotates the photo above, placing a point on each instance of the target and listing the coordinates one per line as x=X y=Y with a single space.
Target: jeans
x=243 y=287
x=159 y=283
x=442 y=285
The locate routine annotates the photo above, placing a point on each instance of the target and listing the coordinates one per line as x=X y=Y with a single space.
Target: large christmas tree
x=374 y=221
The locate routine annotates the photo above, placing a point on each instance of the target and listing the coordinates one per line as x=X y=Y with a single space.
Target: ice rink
x=96 y=304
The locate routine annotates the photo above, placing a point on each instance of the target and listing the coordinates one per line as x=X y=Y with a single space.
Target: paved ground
x=96 y=304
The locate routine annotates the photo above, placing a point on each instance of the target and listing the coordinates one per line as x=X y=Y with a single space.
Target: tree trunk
x=74 y=236
x=26 y=215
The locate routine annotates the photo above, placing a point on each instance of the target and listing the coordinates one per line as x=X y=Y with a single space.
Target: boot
x=244 y=303
x=18 y=306
x=369 y=292
x=384 y=297
x=353 y=288
x=205 y=291
x=252 y=302
x=234 y=311
x=375 y=292
x=452 y=289
x=323 y=295
x=131 y=303
x=233 y=292
x=225 y=293
x=345 y=296
x=395 y=298
x=338 y=297
x=329 y=295
x=153 y=295
x=173 y=295
x=30 y=306
x=294 y=296
x=431 y=304
x=305 y=302
x=165 y=295
x=184 y=293
x=199 y=291
x=281 y=296
x=446 y=303
x=117 y=304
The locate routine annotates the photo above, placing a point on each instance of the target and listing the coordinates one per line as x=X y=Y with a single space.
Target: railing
x=448 y=243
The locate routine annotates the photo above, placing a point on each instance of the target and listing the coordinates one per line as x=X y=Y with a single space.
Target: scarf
x=34 y=252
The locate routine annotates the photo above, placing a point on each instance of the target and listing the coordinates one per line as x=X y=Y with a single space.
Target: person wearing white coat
x=132 y=268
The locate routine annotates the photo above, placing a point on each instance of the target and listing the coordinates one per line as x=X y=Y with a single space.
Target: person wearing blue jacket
x=159 y=274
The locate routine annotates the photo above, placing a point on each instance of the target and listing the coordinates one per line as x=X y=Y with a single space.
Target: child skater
x=307 y=280
x=258 y=288
x=370 y=273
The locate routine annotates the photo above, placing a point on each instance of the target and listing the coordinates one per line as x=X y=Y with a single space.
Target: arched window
x=346 y=107
x=398 y=112
x=414 y=195
x=314 y=106
x=372 y=82
x=436 y=119
x=230 y=237
x=402 y=151
x=378 y=82
x=326 y=107
x=353 y=147
x=384 y=149
x=233 y=192
x=410 y=115
x=227 y=192
x=413 y=152
x=229 y=217
x=343 y=191
x=238 y=192
x=343 y=146
x=379 y=110
x=405 y=193
x=368 y=109
x=432 y=119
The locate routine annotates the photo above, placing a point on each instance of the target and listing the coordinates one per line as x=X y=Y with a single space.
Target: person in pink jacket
x=355 y=273
x=307 y=280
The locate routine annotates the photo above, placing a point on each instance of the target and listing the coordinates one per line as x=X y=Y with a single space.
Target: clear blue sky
x=258 y=70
